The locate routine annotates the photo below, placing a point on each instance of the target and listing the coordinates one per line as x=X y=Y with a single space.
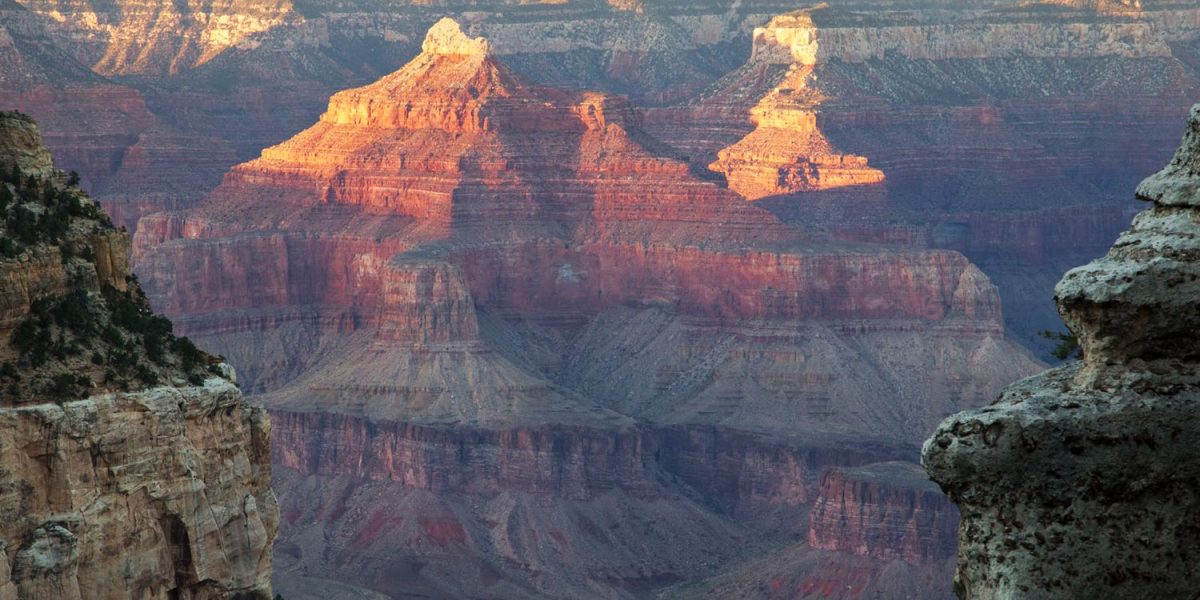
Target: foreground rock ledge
x=1082 y=482
x=161 y=493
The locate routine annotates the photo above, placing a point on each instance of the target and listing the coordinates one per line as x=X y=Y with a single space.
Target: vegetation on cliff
x=94 y=330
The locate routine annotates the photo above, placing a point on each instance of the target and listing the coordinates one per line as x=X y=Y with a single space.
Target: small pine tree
x=1066 y=345
x=8 y=248
x=23 y=224
x=6 y=196
x=14 y=175
x=73 y=179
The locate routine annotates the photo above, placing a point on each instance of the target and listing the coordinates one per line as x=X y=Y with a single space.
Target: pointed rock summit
x=1140 y=302
x=1179 y=183
x=456 y=139
x=447 y=37
x=1081 y=482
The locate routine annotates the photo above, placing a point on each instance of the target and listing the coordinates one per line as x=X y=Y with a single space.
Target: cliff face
x=455 y=512
x=533 y=202
x=138 y=494
x=885 y=511
x=112 y=485
x=1078 y=482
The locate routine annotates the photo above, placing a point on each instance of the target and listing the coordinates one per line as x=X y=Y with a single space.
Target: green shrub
x=145 y=374
x=1066 y=345
x=23 y=223
x=8 y=248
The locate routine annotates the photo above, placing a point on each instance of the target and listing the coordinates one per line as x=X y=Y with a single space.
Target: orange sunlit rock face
x=456 y=150
x=787 y=153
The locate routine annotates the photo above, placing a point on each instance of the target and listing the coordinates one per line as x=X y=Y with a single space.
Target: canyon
x=497 y=324
x=939 y=124
x=579 y=299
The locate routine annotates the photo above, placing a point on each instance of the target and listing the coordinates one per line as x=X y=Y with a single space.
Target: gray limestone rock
x=1083 y=482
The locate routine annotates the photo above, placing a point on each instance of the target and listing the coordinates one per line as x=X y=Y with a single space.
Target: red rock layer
x=577 y=510
x=732 y=469
x=573 y=463
x=885 y=511
x=825 y=285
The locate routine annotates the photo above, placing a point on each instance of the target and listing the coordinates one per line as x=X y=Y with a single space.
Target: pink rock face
x=835 y=284
x=885 y=511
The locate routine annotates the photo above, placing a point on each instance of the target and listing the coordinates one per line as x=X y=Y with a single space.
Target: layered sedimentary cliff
x=129 y=158
x=130 y=466
x=786 y=153
x=940 y=102
x=1079 y=482
x=480 y=295
x=886 y=511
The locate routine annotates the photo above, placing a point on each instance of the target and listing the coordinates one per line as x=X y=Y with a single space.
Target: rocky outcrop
x=130 y=466
x=1080 y=482
x=141 y=494
x=787 y=153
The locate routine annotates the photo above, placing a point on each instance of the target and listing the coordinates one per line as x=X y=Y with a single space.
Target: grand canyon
x=582 y=299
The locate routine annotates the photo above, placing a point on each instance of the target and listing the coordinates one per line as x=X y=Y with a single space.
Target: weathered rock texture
x=150 y=494
x=1080 y=482
x=111 y=486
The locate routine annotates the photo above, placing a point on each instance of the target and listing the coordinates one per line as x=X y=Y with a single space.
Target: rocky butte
x=1080 y=482
x=1004 y=131
x=513 y=347
x=130 y=464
